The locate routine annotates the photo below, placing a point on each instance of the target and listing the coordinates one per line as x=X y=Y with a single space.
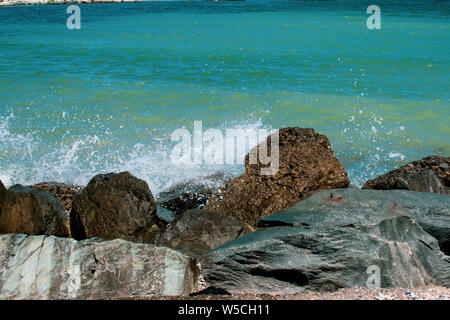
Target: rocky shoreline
x=302 y=233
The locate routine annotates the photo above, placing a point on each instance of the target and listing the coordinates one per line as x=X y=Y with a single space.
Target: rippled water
x=74 y=103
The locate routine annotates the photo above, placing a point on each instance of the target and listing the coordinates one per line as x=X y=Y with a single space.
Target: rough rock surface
x=62 y=192
x=30 y=211
x=330 y=242
x=361 y=207
x=115 y=206
x=165 y=214
x=3 y=192
x=192 y=194
x=430 y=174
x=47 y=267
x=306 y=163
x=199 y=231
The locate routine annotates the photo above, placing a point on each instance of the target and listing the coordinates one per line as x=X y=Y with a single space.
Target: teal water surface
x=74 y=103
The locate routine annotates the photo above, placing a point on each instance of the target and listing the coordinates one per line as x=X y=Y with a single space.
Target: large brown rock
x=199 y=231
x=2 y=195
x=30 y=211
x=430 y=174
x=115 y=206
x=306 y=163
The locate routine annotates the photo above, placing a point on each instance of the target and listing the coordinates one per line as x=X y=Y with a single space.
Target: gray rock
x=165 y=214
x=199 y=231
x=47 y=267
x=61 y=191
x=307 y=163
x=192 y=194
x=2 y=194
x=30 y=211
x=326 y=243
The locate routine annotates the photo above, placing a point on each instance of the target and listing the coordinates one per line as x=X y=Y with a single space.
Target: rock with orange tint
x=306 y=163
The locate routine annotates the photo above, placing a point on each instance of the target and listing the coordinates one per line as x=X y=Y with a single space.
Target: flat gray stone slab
x=47 y=267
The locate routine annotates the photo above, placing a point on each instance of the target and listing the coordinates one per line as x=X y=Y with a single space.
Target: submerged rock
x=43 y=267
x=430 y=174
x=334 y=239
x=306 y=163
x=115 y=206
x=199 y=231
x=192 y=194
x=30 y=211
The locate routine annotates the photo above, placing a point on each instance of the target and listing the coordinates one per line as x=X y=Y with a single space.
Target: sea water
x=107 y=97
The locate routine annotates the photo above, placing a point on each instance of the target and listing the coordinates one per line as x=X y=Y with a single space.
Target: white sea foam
x=27 y=159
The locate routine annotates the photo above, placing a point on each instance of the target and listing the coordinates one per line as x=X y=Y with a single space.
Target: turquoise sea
x=75 y=103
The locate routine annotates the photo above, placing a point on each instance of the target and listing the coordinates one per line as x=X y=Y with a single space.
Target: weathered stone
x=330 y=240
x=360 y=208
x=62 y=192
x=430 y=174
x=192 y=194
x=198 y=231
x=115 y=206
x=306 y=163
x=42 y=267
x=30 y=211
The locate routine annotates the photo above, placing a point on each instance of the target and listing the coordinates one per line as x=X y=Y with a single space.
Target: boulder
x=115 y=206
x=306 y=163
x=165 y=214
x=192 y=194
x=198 y=231
x=365 y=207
x=47 y=267
x=430 y=174
x=61 y=191
x=30 y=211
x=336 y=239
